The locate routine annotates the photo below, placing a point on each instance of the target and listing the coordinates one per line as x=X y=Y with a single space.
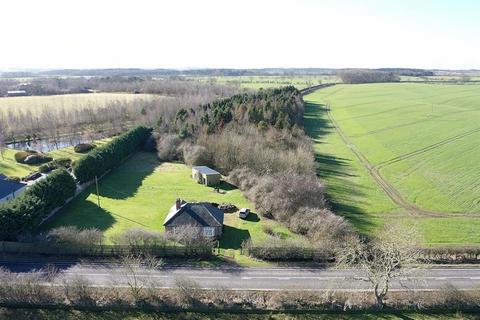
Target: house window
x=208 y=231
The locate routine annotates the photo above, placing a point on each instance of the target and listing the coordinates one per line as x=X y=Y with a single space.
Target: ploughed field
x=401 y=150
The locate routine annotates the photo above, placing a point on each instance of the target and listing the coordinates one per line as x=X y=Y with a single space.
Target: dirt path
x=386 y=186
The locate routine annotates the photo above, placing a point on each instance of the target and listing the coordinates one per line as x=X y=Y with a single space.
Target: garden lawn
x=140 y=193
x=11 y=168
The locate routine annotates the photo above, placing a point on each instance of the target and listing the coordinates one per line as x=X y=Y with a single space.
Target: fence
x=103 y=250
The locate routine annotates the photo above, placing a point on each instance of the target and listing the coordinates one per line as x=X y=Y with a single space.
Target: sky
x=442 y=34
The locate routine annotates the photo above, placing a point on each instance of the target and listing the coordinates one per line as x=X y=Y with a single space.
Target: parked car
x=243 y=213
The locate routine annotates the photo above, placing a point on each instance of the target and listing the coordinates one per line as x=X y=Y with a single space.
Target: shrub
x=73 y=236
x=195 y=155
x=168 y=147
x=24 y=213
x=280 y=195
x=275 y=248
x=109 y=155
x=63 y=162
x=37 y=158
x=55 y=164
x=31 y=157
x=237 y=147
x=83 y=147
x=137 y=237
x=45 y=168
x=189 y=236
x=20 y=156
x=54 y=189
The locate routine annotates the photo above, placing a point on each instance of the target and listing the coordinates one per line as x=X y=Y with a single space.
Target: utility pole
x=98 y=195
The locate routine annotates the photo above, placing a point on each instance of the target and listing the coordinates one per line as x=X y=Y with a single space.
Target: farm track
x=388 y=188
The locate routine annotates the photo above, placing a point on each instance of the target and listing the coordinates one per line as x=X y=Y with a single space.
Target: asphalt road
x=109 y=274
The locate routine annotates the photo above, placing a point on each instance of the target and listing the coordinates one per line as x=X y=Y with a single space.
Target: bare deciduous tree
x=391 y=254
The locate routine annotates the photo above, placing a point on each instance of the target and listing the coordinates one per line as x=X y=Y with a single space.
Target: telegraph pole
x=98 y=195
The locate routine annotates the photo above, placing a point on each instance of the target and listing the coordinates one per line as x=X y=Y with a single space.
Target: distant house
x=10 y=189
x=16 y=93
x=207 y=219
x=206 y=175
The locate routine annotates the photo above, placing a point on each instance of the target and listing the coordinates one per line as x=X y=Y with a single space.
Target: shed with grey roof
x=202 y=216
x=206 y=175
x=10 y=189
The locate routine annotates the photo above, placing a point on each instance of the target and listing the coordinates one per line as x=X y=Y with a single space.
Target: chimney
x=178 y=204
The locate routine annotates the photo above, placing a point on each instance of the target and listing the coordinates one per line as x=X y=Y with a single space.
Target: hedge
x=109 y=155
x=25 y=213
x=31 y=157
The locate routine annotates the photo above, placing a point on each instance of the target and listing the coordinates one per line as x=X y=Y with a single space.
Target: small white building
x=16 y=93
x=206 y=175
x=10 y=189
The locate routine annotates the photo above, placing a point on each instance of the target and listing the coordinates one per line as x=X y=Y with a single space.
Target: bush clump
x=109 y=155
x=83 y=147
x=31 y=157
x=56 y=164
x=71 y=235
x=24 y=213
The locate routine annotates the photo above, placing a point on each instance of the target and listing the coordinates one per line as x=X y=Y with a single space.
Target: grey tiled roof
x=199 y=213
x=7 y=187
x=205 y=170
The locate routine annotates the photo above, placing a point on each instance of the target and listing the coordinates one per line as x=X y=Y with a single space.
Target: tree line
x=367 y=76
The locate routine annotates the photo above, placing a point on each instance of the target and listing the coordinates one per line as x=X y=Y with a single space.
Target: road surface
x=238 y=278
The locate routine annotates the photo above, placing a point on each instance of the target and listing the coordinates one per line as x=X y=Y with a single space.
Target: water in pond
x=46 y=145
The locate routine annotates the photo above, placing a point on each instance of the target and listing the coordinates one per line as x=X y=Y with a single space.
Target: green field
x=140 y=193
x=423 y=141
x=257 y=82
x=80 y=100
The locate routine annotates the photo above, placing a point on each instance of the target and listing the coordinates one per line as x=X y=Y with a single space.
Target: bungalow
x=10 y=189
x=206 y=218
x=206 y=175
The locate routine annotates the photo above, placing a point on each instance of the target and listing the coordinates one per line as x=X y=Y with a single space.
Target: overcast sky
x=240 y=33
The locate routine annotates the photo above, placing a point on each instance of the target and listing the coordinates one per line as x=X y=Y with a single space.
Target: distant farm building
x=16 y=93
x=206 y=175
x=205 y=219
x=10 y=189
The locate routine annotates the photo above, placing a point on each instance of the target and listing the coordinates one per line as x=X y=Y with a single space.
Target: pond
x=47 y=145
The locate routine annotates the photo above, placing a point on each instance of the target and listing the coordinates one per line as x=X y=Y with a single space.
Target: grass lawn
x=421 y=137
x=140 y=193
x=11 y=168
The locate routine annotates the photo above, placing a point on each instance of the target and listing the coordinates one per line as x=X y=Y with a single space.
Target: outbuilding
x=10 y=189
x=16 y=93
x=204 y=218
x=206 y=175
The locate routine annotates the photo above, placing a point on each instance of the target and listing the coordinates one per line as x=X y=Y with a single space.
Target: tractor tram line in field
x=386 y=186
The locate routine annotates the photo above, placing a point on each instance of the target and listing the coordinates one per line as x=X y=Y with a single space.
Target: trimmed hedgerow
x=109 y=155
x=24 y=213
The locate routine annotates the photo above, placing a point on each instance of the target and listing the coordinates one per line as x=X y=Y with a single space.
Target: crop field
x=404 y=150
x=257 y=82
x=140 y=193
x=80 y=100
